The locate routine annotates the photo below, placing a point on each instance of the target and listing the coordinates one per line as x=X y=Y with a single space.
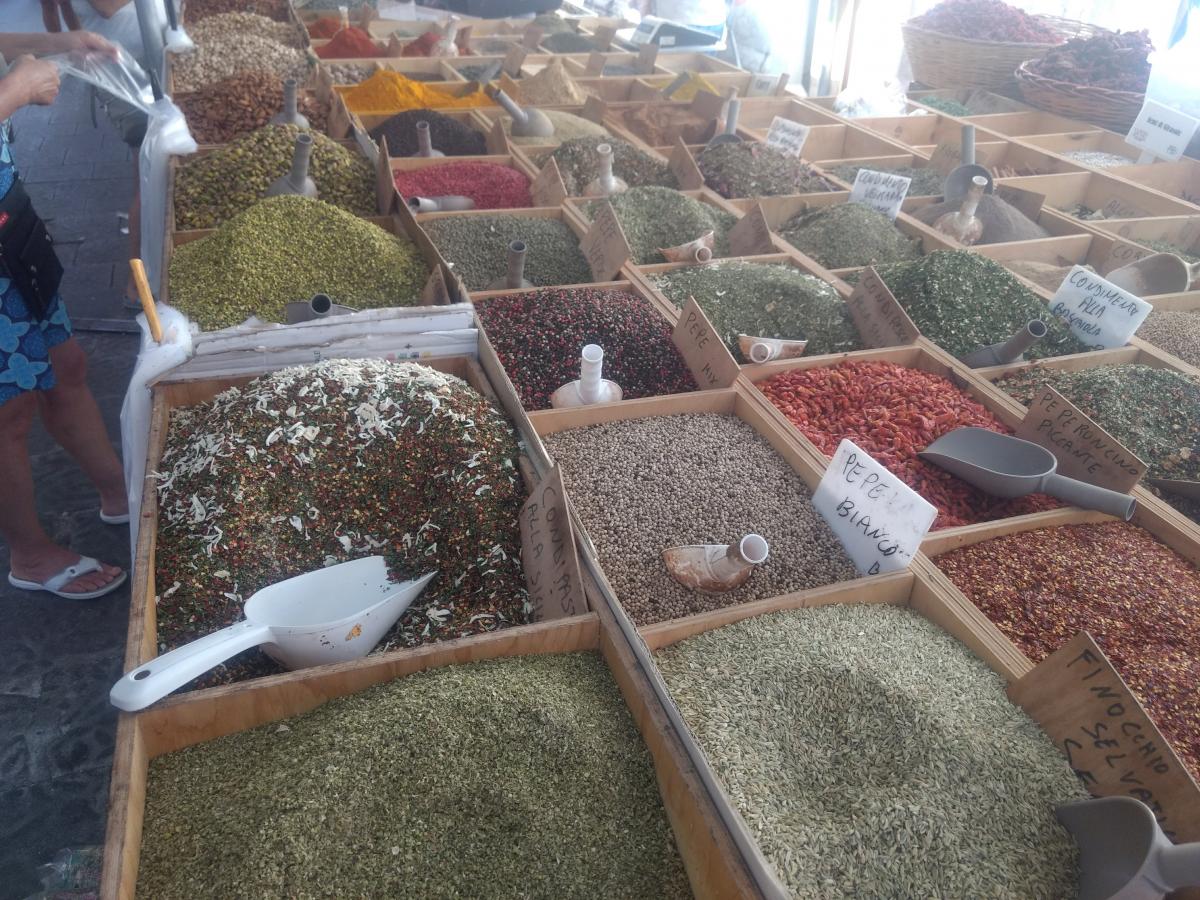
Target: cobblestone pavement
x=58 y=658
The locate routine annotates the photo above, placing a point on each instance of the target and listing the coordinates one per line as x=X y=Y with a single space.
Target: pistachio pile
x=223 y=50
x=214 y=188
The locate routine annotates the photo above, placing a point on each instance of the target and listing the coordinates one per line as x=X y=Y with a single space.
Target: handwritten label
x=763 y=85
x=683 y=166
x=547 y=189
x=603 y=36
x=595 y=64
x=1027 y=203
x=1084 y=450
x=513 y=60
x=1161 y=130
x=787 y=136
x=531 y=37
x=604 y=246
x=1122 y=253
x=878 y=518
x=548 y=552
x=647 y=57
x=702 y=349
x=751 y=236
x=1111 y=743
x=1116 y=208
x=594 y=109
x=945 y=158
x=435 y=292
x=880 y=319
x=882 y=191
x=1100 y=314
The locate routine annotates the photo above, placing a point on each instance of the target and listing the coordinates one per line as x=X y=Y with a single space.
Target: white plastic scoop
x=1123 y=853
x=1006 y=466
x=330 y=615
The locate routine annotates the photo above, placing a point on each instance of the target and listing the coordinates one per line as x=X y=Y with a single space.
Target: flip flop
x=55 y=583
x=122 y=519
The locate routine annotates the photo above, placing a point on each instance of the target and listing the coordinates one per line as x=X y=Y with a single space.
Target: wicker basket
x=946 y=61
x=1114 y=110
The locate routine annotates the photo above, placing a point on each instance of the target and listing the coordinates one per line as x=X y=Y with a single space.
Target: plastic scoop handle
x=1089 y=496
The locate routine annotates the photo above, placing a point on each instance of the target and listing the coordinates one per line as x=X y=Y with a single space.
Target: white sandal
x=119 y=519
x=55 y=583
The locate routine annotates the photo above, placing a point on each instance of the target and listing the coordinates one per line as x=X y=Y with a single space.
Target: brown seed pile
x=239 y=104
x=644 y=485
x=1176 y=331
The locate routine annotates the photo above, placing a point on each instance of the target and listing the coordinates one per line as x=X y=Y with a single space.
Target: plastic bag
x=886 y=99
x=122 y=77
x=153 y=359
x=167 y=135
x=71 y=875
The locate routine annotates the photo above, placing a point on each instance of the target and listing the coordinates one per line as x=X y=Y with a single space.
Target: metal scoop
x=958 y=182
x=1006 y=466
x=1123 y=854
x=331 y=615
x=729 y=135
x=1158 y=273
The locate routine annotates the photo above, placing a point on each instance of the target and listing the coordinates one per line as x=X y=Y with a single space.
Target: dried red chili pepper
x=987 y=20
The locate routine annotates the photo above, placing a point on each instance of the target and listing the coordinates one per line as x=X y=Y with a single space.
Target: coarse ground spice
x=236 y=52
x=351 y=43
x=1154 y=412
x=231 y=107
x=850 y=234
x=490 y=185
x=201 y=9
x=746 y=169
x=1002 y=222
x=387 y=91
x=512 y=777
x=579 y=164
x=568 y=42
x=325 y=27
x=1044 y=275
x=315 y=465
x=661 y=125
x=289 y=248
x=893 y=413
x=764 y=300
x=538 y=336
x=566 y=127
x=963 y=301
x=451 y=136
x=945 y=104
x=551 y=86
x=213 y=188
x=1098 y=158
x=873 y=755
x=1176 y=331
x=476 y=247
x=987 y=20
x=659 y=217
x=925 y=182
x=643 y=485
x=1138 y=598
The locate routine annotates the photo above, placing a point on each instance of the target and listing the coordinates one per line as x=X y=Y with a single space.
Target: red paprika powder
x=350 y=43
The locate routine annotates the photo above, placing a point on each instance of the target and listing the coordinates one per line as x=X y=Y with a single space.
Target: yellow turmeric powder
x=689 y=89
x=388 y=92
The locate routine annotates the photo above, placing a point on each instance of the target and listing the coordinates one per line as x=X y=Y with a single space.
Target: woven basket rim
x=1052 y=20
x=1070 y=87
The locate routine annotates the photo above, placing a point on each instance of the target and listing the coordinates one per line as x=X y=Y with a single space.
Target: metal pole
x=150 y=25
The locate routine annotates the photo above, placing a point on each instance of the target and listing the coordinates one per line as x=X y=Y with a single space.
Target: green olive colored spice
x=659 y=217
x=925 y=182
x=849 y=234
x=579 y=164
x=745 y=169
x=476 y=247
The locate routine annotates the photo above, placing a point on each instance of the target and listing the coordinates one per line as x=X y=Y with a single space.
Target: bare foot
x=46 y=565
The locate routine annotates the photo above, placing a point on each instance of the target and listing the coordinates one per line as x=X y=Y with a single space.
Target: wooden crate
x=913 y=131
x=758 y=113
x=512 y=161
x=454 y=88
x=1120 y=199
x=580 y=65
x=1089 y=139
x=979 y=102
x=1179 y=179
x=1021 y=124
x=701 y=63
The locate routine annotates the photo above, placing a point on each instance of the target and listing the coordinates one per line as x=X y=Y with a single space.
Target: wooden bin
x=978 y=101
x=1116 y=197
x=1179 y=179
x=1021 y=124
x=541 y=197
x=915 y=131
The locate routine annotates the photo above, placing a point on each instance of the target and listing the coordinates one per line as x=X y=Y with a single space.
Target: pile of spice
x=387 y=91
x=551 y=86
x=687 y=91
x=353 y=73
x=351 y=43
x=925 y=182
x=579 y=164
x=231 y=107
x=198 y=10
x=641 y=486
x=476 y=247
x=963 y=301
x=764 y=300
x=1154 y=412
x=987 y=20
x=1134 y=595
x=894 y=412
x=512 y=777
x=315 y=465
x=325 y=27
x=538 y=336
x=659 y=217
x=1044 y=275
x=472 y=73
x=451 y=136
x=744 y=169
x=568 y=42
x=1118 y=61
x=567 y=126
x=551 y=23
x=315 y=5
x=229 y=54
x=289 y=248
x=491 y=186
x=1002 y=222
x=946 y=105
x=850 y=234
x=214 y=29
x=1191 y=256
x=213 y=188
x=661 y=125
x=871 y=754
x=1098 y=158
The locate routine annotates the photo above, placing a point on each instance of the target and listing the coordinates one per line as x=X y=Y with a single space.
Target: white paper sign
x=762 y=85
x=1163 y=131
x=883 y=191
x=787 y=136
x=878 y=518
x=1100 y=314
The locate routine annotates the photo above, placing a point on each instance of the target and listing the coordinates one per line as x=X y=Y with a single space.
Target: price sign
x=880 y=319
x=878 y=518
x=604 y=246
x=1100 y=314
x=882 y=191
x=548 y=553
x=787 y=136
x=1161 y=131
x=702 y=349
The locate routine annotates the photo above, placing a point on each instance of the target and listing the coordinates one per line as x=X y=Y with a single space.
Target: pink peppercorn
x=491 y=186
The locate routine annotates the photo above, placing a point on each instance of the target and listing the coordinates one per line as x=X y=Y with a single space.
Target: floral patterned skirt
x=25 y=342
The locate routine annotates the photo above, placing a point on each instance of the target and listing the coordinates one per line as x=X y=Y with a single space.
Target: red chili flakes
x=893 y=413
x=1138 y=598
x=491 y=186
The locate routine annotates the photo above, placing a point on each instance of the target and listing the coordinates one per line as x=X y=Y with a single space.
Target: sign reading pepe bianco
x=878 y=518
x=1100 y=314
x=882 y=191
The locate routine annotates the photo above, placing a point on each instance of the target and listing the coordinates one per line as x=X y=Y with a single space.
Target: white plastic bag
x=167 y=135
x=153 y=359
x=122 y=77
x=884 y=99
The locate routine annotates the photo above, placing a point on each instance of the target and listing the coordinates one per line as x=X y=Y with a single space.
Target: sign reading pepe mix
x=1100 y=314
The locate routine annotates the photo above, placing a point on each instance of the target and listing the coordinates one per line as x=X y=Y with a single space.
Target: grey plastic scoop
x=1123 y=853
x=289 y=114
x=527 y=122
x=958 y=182
x=729 y=135
x=297 y=180
x=1158 y=273
x=513 y=279
x=1009 y=351
x=1006 y=466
